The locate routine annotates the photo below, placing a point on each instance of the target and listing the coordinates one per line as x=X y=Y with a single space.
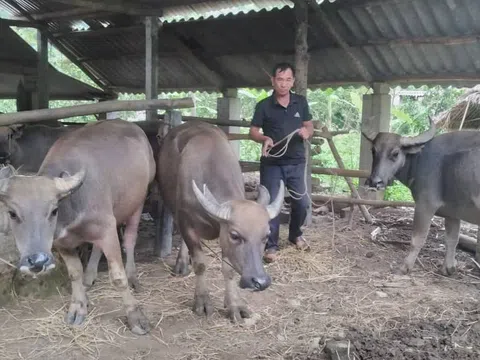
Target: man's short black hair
x=282 y=67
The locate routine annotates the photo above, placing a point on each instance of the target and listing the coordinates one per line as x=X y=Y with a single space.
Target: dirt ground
x=343 y=289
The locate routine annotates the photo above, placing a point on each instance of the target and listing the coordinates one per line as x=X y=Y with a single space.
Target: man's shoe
x=270 y=255
x=301 y=244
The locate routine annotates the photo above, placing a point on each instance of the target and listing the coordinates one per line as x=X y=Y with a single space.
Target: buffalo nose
x=37 y=262
x=256 y=283
x=374 y=182
x=261 y=283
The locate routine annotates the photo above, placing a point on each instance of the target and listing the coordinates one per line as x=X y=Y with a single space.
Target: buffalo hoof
x=449 y=270
x=238 y=313
x=138 y=322
x=181 y=268
x=76 y=313
x=134 y=284
x=202 y=305
x=89 y=279
x=402 y=270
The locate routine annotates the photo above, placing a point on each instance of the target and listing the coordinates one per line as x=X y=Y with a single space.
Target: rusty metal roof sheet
x=432 y=42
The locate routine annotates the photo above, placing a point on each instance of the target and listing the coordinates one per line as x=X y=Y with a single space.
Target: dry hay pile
x=465 y=113
x=341 y=289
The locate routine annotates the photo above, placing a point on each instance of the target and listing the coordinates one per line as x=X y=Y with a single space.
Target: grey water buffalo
x=443 y=174
x=201 y=182
x=91 y=180
x=24 y=146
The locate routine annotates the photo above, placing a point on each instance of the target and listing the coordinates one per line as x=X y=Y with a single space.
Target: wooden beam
x=43 y=80
x=20 y=23
x=349 y=200
x=111 y=30
x=72 y=14
x=151 y=63
x=209 y=67
x=59 y=46
x=301 y=81
x=118 y=6
x=330 y=28
x=88 y=109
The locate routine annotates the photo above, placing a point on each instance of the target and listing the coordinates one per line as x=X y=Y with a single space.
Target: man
x=277 y=116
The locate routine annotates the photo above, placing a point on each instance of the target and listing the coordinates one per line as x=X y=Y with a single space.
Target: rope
x=293 y=194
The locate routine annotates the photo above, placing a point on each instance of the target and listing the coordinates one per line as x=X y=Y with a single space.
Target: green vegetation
x=339 y=109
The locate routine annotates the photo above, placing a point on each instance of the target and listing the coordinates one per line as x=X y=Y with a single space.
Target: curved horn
x=263 y=197
x=421 y=138
x=275 y=207
x=212 y=207
x=66 y=185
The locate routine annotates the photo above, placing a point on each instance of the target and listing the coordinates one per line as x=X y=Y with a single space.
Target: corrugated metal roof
x=17 y=58
x=432 y=42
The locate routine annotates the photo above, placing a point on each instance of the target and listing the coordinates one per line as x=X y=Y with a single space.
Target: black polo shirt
x=278 y=121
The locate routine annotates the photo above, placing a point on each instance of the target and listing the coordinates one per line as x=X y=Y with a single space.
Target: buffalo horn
x=263 y=196
x=65 y=185
x=211 y=205
x=421 y=138
x=275 y=207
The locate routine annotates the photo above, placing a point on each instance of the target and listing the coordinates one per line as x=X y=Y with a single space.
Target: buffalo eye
x=12 y=215
x=54 y=212
x=394 y=154
x=235 y=236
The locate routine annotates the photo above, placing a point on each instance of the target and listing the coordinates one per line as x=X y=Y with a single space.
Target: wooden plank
x=43 y=85
x=356 y=201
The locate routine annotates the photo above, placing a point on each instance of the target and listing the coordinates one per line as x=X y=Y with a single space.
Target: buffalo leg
x=91 y=270
x=421 y=225
x=129 y=241
x=78 y=307
x=452 y=232
x=111 y=248
x=235 y=306
x=183 y=260
x=202 y=303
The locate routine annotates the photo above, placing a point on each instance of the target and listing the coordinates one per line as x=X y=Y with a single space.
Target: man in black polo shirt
x=277 y=116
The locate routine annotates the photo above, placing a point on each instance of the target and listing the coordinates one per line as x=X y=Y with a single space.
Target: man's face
x=283 y=81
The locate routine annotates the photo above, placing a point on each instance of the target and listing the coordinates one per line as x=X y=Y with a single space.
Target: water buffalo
x=91 y=180
x=443 y=176
x=201 y=182
x=24 y=146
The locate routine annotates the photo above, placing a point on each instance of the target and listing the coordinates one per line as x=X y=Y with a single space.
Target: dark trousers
x=293 y=177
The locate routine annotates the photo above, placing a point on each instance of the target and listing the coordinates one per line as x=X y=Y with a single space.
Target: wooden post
x=164 y=222
x=477 y=247
x=301 y=80
x=43 y=83
x=151 y=63
x=338 y=158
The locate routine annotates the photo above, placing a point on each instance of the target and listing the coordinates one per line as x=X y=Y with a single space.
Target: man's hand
x=304 y=133
x=267 y=145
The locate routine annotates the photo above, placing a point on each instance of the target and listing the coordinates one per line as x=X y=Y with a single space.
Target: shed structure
x=153 y=46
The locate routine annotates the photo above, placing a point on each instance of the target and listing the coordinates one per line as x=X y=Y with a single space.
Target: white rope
x=281 y=152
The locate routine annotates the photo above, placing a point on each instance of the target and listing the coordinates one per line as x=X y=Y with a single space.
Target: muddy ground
x=343 y=289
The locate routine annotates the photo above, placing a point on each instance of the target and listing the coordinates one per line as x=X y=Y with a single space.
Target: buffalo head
x=8 y=137
x=32 y=206
x=244 y=230
x=389 y=152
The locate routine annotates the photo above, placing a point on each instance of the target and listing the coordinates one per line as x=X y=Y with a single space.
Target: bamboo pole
x=349 y=200
x=88 y=109
x=338 y=158
x=250 y=166
x=233 y=137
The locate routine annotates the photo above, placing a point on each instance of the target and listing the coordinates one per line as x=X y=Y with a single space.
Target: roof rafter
x=119 y=6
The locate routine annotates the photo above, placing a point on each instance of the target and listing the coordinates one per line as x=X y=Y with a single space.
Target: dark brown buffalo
x=201 y=182
x=91 y=180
